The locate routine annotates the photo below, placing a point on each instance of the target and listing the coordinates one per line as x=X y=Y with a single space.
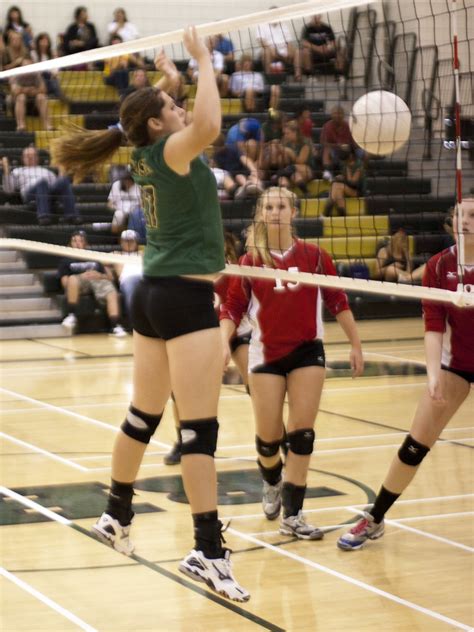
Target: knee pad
x=199 y=436
x=265 y=448
x=301 y=441
x=411 y=452
x=139 y=425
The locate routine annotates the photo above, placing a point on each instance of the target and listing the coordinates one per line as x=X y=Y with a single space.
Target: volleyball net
x=364 y=111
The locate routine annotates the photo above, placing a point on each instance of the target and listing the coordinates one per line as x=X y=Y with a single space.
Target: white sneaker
x=118 y=331
x=111 y=532
x=271 y=500
x=216 y=573
x=70 y=322
x=364 y=529
x=327 y=175
x=297 y=526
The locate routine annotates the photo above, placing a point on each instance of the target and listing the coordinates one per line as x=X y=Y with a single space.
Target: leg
x=40 y=193
x=241 y=360
x=42 y=105
x=338 y=196
x=20 y=112
x=63 y=189
x=249 y=100
x=275 y=92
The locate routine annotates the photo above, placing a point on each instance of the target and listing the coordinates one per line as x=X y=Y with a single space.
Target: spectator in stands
x=336 y=137
x=40 y=185
x=137 y=223
x=297 y=157
x=247 y=136
x=15 y=51
x=278 y=50
x=239 y=166
x=79 y=277
x=122 y=27
x=29 y=90
x=2 y=82
x=247 y=84
x=393 y=257
x=217 y=63
x=124 y=196
x=225 y=46
x=272 y=158
x=304 y=120
x=351 y=183
x=130 y=273
x=43 y=51
x=139 y=80
x=117 y=69
x=319 y=47
x=15 y=22
x=81 y=34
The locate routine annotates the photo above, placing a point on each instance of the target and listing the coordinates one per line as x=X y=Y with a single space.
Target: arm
x=303 y=157
x=8 y=178
x=187 y=144
x=249 y=163
x=348 y=324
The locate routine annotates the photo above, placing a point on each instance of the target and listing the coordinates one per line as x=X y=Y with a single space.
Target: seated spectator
x=130 y=273
x=117 y=69
x=304 y=120
x=297 y=157
x=40 y=185
x=79 y=277
x=225 y=46
x=247 y=136
x=351 y=183
x=26 y=91
x=247 y=84
x=124 y=196
x=217 y=63
x=81 y=34
x=278 y=49
x=15 y=22
x=319 y=47
x=336 y=137
x=15 y=51
x=137 y=223
x=242 y=169
x=43 y=51
x=272 y=158
x=122 y=27
x=2 y=81
x=393 y=257
x=139 y=80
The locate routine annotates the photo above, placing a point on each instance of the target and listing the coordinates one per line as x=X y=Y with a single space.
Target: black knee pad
x=411 y=452
x=265 y=448
x=139 y=425
x=199 y=436
x=301 y=441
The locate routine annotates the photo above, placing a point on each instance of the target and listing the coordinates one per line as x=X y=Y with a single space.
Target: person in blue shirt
x=247 y=136
x=225 y=46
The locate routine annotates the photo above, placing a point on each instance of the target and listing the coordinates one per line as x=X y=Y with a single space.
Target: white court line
x=351 y=580
x=52 y=515
x=50 y=455
x=425 y=534
x=436 y=516
x=411 y=501
x=46 y=600
x=70 y=413
x=388 y=356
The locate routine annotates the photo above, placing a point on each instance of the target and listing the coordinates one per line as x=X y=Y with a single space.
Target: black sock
x=207 y=534
x=114 y=320
x=292 y=498
x=71 y=308
x=272 y=475
x=382 y=504
x=119 y=504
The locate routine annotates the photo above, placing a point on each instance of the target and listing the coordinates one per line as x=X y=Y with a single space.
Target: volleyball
x=380 y=122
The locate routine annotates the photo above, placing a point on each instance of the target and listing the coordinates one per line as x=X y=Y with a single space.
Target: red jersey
x=336 y=134
x=456 y=323
x=283 y=315
x=221 y=288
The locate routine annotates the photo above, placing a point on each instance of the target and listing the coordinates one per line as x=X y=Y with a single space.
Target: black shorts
x=310 y=353
x=168 y=307
x=466 y=375
x=237 y=341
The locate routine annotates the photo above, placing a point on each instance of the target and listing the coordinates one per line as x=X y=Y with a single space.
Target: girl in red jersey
x=286 y=353
x=449 y=349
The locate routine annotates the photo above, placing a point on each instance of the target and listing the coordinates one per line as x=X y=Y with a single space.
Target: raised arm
x=187 y=144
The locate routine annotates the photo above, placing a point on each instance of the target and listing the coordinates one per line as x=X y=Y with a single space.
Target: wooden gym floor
x=62 y=401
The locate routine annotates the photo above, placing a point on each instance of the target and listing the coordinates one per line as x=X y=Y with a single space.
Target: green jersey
x=183 y=217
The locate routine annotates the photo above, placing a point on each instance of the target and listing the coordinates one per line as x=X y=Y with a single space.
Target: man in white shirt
x=38 y=184
x=247 y=84
x=123 y=198
x=278 y=51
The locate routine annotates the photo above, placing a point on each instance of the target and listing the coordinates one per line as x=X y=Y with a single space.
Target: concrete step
x=31 y=316
x=19 y=332
x=8 y=256
x=8 y=280
x=25 y=291
x=12 y=266
x=19 y=304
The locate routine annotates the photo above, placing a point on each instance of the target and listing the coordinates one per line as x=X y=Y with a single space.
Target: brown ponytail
x=81 y=152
